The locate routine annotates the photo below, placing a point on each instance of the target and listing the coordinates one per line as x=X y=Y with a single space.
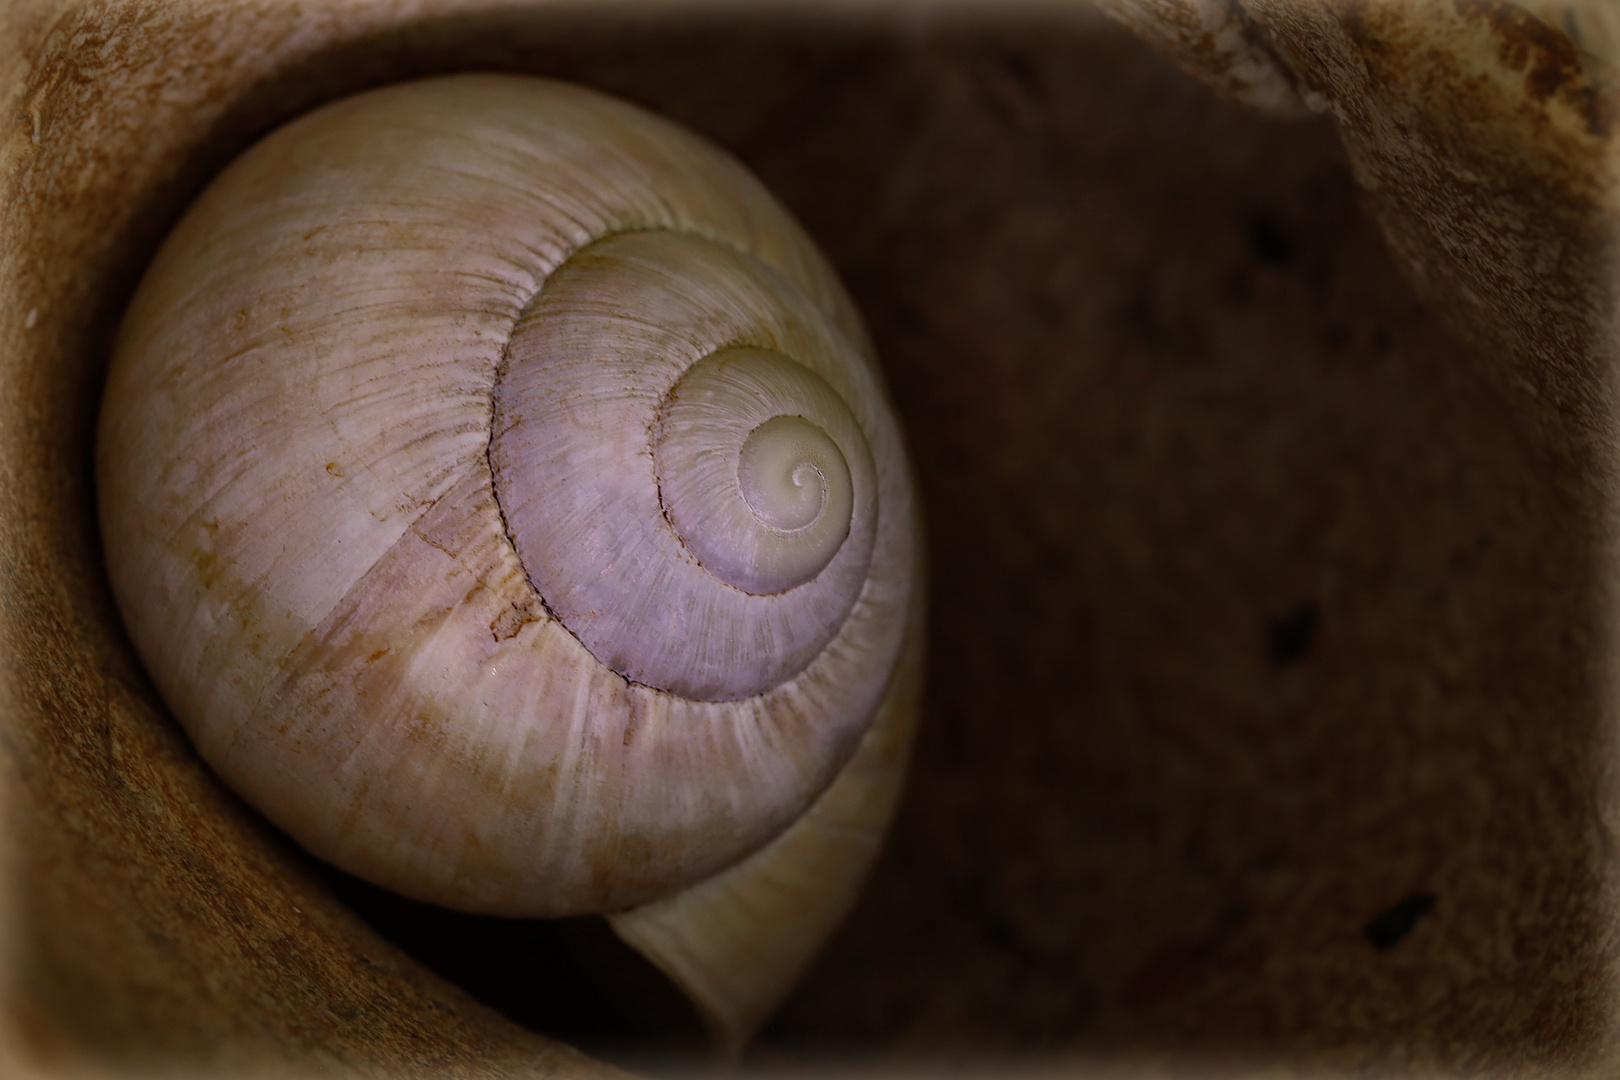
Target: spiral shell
x=498 y=487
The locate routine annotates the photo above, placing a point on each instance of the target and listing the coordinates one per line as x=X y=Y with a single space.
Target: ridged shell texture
x=498 y=487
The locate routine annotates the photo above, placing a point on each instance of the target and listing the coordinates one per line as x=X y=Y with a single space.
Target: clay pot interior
x=1263 y=722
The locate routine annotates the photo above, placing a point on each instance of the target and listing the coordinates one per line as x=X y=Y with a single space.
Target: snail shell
x=500 y=491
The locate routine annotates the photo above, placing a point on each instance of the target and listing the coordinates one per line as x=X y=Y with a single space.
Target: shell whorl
x=497 y=485
x=654 y=393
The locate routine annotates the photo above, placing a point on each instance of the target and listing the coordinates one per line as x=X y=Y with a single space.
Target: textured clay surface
x=1484 y=138
x=1268 y=719
x=1217 y=43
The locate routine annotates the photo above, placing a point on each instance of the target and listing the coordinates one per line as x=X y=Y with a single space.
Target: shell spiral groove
x=499 y=489
x=648 y=545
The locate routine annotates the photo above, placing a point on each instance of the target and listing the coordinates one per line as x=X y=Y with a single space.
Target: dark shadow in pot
x=1260 y=605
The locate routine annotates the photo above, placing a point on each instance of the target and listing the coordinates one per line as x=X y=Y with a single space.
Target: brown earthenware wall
x=1268 y=717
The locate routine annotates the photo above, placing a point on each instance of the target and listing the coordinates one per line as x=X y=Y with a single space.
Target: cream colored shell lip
x=302 y=529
